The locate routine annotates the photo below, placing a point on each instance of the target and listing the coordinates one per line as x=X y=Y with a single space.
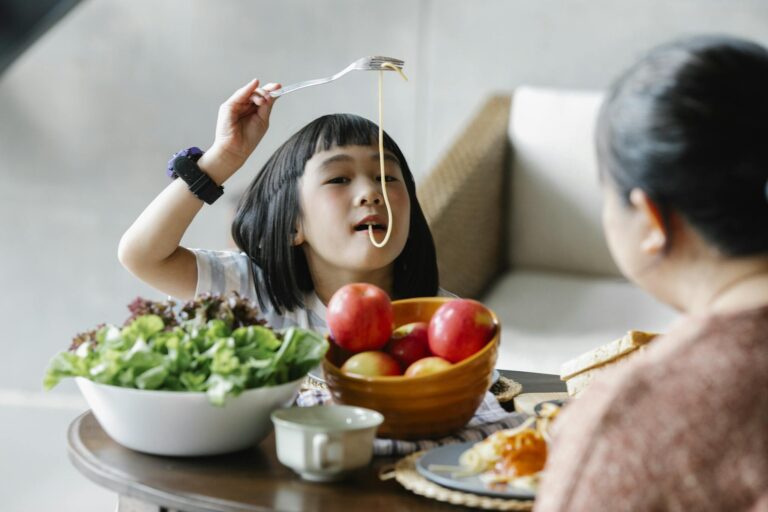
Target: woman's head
x=686 y=126
x=308 y=198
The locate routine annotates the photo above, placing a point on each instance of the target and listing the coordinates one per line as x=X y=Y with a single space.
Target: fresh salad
x=214 y=344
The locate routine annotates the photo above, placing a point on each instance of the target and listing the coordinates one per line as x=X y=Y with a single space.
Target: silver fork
x=363 y=64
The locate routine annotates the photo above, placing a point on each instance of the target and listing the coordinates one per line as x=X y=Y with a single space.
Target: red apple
x=371 y=364
x=427 y=366
x=459 y=328
x=360 y=317
x=409 y=343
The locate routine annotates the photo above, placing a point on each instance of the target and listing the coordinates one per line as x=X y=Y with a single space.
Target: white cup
x=325 y=442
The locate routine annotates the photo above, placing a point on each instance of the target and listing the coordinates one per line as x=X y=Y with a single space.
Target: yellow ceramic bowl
x=428 y=406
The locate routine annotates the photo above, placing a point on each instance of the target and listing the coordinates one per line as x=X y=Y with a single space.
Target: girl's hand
x=243 y=120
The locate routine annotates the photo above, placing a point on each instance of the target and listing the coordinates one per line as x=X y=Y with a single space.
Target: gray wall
x=90 y=114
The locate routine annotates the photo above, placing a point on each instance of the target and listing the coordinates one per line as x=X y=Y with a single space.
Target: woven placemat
x=405 y=472
x=311 y=382
x=505 y=390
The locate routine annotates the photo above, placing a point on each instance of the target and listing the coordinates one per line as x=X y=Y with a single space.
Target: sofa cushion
x=548 y=318
x=556 y=201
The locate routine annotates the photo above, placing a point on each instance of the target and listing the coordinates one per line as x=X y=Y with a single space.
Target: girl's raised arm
x=150 y=248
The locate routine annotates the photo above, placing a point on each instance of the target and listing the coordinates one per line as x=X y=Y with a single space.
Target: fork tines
x=378 y=60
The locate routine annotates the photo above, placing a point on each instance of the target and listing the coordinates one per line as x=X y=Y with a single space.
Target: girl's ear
x=656 y=233
x=298 y=235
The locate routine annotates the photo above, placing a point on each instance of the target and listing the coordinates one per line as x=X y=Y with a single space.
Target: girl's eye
x=387 y=178
x=338 y=180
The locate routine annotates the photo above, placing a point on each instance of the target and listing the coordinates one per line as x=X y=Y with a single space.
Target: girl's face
x=340 y=194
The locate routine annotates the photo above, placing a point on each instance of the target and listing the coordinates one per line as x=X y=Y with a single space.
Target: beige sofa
x=514 y=207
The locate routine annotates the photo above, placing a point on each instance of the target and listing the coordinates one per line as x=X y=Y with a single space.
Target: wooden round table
x=249 y=480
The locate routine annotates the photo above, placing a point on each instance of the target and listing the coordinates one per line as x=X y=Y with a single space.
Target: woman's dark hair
x=688 y=125
x=269 y=211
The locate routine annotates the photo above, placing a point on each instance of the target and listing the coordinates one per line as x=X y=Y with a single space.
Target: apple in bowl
x=371 y=363
x=360 y=317
x=427 y=366
x=409 y=343
x=460 y=328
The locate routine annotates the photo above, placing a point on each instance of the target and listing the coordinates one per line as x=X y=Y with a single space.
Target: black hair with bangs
x=264 y=224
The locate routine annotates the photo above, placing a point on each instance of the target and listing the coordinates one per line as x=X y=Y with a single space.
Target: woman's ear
x=656 y=234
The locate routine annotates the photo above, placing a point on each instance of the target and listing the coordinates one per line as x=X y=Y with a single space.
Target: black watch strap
x=199 y=183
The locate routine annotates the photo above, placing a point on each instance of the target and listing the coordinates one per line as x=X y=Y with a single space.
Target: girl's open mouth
x=374 y=221
x=376 y=227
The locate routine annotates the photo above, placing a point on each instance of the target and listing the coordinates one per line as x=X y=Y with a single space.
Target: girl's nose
x=369 y=196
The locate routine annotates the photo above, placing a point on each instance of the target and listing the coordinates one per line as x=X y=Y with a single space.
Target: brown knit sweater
x=682 y=427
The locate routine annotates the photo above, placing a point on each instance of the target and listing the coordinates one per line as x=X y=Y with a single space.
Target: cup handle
x=320 y=444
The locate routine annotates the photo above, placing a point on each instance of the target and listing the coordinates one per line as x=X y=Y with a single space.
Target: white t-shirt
x=221 y=272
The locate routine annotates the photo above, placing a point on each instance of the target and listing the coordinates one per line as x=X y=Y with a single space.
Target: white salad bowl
x=184 y=423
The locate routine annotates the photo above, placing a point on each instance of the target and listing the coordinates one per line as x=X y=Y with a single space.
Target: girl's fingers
x=259 y=96
x=266 y=101
x=242 y=94
x=266 y=90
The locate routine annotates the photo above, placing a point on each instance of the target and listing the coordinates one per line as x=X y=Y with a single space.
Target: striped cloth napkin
x=488 y=418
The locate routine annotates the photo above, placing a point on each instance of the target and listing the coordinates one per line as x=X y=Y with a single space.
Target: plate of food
x=507 y=464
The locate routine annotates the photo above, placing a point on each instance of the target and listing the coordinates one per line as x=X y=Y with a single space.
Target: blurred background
x=95 y=95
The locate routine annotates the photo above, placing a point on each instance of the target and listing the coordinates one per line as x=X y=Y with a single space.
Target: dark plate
x=538 y=406
x=449 y=455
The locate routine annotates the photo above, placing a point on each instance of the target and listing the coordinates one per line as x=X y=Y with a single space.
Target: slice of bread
x=605 y=353
x=579 y=382
x=579 y=372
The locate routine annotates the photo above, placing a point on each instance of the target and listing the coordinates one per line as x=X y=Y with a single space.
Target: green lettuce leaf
x=215 y=345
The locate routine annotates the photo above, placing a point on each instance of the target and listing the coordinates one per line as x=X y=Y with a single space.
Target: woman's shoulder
x=726 y=349
x=682 y=396
x=698 y=369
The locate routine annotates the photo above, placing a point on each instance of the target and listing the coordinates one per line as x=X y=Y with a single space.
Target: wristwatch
x=184 y=165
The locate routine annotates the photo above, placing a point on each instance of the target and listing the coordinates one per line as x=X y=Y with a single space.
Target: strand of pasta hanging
x=381 y=156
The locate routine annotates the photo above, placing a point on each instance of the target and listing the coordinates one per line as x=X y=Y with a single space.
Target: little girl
x=302 y=225
x=684 y=425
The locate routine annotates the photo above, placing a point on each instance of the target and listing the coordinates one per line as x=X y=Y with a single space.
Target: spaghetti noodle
x=381 y=157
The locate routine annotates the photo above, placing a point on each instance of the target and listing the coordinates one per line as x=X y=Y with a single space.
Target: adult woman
x=684 y=165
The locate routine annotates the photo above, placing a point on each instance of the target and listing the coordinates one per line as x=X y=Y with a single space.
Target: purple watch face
x=193 y=153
